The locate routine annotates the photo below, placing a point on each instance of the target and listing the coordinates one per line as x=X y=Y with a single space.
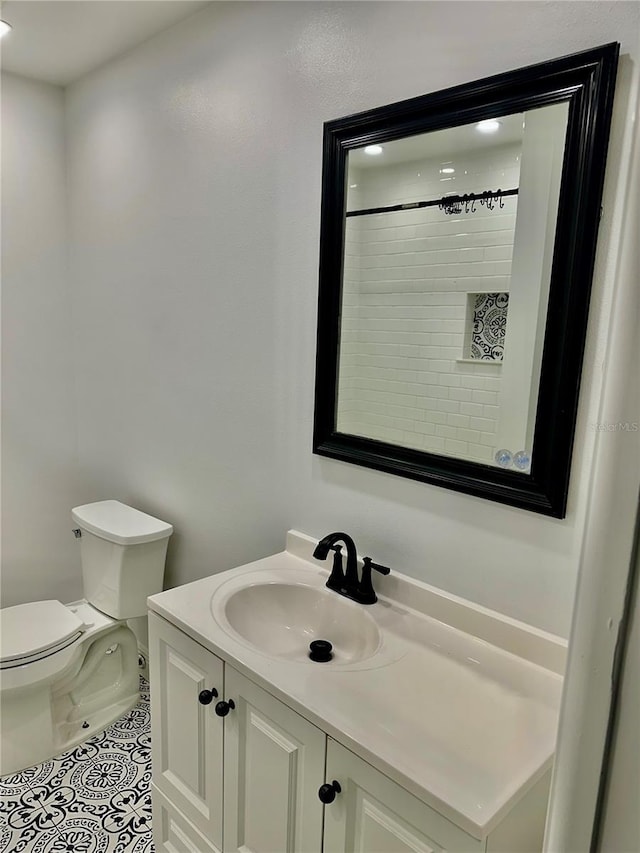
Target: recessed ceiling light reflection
x=489 y=125
x=447 y=170
x=373 y=150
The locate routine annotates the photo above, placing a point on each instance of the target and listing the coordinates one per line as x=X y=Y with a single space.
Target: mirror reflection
x=448 y=248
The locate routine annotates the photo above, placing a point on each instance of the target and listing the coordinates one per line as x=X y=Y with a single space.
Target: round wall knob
x=327 y=792
x=206 y=697
x=223 y=708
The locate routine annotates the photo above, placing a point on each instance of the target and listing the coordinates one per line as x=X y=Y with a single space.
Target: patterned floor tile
x=80 y=835
x=93 y=798
x=42 y=841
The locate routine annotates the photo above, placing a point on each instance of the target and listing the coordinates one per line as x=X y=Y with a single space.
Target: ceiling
x=59 y=41
x=444 y=144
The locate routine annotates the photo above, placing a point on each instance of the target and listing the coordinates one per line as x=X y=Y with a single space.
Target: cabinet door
x=172 y=832
x=186 y=736
x=273 y=767
x=372 y=814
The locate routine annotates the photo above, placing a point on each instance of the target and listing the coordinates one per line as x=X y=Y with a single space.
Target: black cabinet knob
x=223 y=708
x=327 y=792
x=206 y=697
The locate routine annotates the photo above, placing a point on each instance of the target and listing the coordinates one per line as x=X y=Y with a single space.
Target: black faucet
x=339 y=581
x=347 y=583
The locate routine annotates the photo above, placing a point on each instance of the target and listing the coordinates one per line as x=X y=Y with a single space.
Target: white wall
x=621 y=824
x=194 y=177
x=39 y=483
x=540 y=176
x=606 y=557
x=607 y=549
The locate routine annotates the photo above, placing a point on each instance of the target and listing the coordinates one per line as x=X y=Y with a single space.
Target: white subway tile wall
x=405 y=315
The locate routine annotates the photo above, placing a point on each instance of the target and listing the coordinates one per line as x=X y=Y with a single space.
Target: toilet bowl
x=69 y=670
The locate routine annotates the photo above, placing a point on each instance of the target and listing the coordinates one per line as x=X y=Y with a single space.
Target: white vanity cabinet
x=372 y=814
x=240 y=772
x=187 y=740
x=246 y=781
x=273 y=767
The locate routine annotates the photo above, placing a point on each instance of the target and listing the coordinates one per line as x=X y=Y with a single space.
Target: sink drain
x=320 y=651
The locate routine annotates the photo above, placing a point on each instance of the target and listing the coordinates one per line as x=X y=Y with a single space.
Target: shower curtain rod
x=450 y=204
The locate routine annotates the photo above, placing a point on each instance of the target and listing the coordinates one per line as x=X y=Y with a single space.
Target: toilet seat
x=30 y=632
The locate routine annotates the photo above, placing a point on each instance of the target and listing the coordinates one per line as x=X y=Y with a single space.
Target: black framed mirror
x=457 y=245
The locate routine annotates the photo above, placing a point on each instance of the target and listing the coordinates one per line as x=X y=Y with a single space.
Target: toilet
x=69 y=670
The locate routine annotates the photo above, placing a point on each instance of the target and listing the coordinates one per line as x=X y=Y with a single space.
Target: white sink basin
x=280 y=619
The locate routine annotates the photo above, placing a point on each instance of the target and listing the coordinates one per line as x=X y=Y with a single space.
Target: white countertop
x=463 y=724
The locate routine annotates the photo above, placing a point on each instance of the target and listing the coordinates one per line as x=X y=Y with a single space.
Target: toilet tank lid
x=120 y=523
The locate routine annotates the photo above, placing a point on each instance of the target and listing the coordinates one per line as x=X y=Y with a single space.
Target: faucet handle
x=336 y=578
x=384 y=570
x=366 y=592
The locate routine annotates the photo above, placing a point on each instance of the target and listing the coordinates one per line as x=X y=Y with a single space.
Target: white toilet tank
x=123 y=552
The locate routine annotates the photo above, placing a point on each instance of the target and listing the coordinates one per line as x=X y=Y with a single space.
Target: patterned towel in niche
x=489 y=324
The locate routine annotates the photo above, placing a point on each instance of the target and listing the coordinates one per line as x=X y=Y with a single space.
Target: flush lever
x=77 y=533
